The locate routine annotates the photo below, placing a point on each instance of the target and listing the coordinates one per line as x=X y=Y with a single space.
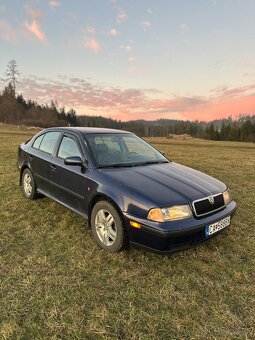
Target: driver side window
x=68 y=148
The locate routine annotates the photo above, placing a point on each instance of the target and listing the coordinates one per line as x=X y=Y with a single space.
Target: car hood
x=163 y=184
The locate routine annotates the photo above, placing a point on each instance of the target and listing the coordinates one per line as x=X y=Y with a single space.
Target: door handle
x=30 y=157
x=53 y=167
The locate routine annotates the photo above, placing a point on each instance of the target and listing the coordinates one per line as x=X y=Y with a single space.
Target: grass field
x=55 y=283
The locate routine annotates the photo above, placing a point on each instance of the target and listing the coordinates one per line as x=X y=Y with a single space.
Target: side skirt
x=63 y=204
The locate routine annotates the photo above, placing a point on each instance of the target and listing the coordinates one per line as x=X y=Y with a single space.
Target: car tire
x=28 y=185
x=107 y=227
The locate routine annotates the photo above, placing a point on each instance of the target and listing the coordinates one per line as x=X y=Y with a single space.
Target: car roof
x=87 y=130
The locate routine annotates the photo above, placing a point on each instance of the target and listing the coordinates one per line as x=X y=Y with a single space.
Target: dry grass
x=55 y=283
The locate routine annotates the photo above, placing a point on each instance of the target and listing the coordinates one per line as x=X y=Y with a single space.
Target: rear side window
x=68 y=148
x=49 y=142
x=38 y=141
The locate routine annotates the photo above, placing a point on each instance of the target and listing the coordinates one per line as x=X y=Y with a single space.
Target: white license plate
x=217 y=226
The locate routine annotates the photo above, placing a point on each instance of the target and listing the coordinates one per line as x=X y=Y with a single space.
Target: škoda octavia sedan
x=128 y=191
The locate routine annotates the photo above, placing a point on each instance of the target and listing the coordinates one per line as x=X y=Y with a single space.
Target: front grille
x=208 y=205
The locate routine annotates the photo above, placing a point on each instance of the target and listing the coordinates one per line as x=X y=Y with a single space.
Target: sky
x=133 y=59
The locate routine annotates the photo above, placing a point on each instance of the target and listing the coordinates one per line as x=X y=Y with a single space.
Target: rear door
x=40 y=155
x=70 y=181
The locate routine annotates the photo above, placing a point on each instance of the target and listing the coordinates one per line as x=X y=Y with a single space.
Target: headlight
x=226 y=196
x=177 y=212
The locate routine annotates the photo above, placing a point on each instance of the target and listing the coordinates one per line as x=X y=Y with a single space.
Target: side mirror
x=162 y=152
x=76 y=160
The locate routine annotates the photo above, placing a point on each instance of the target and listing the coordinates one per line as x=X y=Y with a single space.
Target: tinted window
x=37 y=142
x=49 y=141
x=68 y=148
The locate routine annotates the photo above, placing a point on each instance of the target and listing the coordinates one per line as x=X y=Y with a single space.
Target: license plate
x=217 y=226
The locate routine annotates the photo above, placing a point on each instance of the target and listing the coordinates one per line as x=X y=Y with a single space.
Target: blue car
x=129 y=192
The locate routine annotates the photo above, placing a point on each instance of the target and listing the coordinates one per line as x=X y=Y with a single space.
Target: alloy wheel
x=105 y=227
x=27 y=184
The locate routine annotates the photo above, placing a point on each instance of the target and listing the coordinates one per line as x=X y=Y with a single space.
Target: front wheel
x=28 y=185
x=107 y=227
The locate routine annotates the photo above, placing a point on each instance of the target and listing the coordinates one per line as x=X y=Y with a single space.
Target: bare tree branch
x=12 y=74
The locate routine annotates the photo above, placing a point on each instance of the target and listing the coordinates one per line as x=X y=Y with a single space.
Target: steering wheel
x=130 y=154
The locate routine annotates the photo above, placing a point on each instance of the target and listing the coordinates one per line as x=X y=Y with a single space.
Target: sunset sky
x=133 y=59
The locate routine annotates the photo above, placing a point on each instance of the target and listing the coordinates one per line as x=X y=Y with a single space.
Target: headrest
x=102 y=148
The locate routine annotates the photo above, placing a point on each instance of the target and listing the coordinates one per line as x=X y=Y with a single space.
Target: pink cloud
x=7 y=32
x=121 y=16
x=35 y=27
x=93 y=45
x=53 y=4
x=16 y=35
x=36 y=30
x=113 y=32
x=126 y=104
x=236 y=91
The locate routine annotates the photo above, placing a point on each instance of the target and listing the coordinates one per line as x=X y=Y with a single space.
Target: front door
x=70 y=181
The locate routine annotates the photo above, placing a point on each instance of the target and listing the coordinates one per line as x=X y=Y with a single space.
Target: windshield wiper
x=125 y=165
x=152 y=162
x=116 y=165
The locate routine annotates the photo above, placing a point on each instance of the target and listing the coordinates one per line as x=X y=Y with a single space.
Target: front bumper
x=174 y=236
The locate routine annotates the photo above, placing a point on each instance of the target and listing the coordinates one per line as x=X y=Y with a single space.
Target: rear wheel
x=107 y=227
x=28 y=185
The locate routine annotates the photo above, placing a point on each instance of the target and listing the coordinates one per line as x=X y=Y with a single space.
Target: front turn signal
x=135 y=224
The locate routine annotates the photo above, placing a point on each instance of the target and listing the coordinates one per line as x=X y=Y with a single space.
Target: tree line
x=242 y=129
x=15 y=109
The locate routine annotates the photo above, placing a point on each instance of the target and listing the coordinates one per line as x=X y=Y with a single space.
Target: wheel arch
x=103 y=197
x=24 y=166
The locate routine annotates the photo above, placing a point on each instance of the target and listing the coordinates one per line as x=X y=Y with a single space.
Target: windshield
x=117 y=150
